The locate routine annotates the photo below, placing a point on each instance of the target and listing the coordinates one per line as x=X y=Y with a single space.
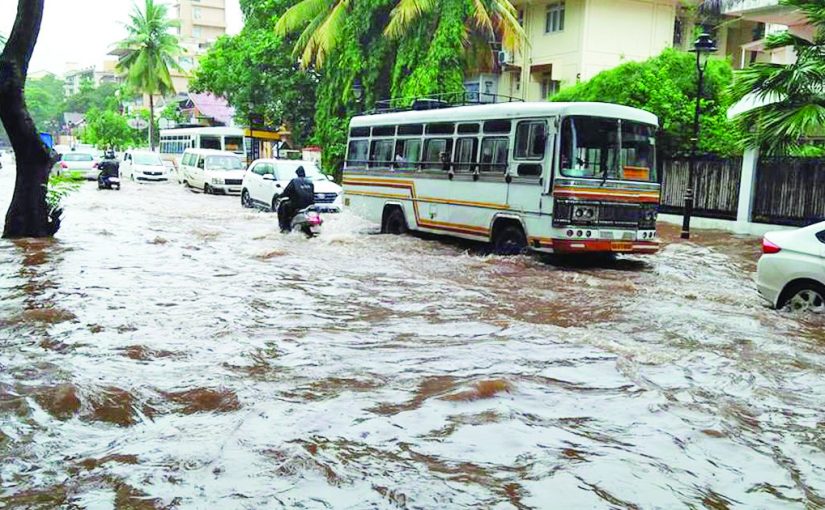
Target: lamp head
x=704 y=45
x=357 y=89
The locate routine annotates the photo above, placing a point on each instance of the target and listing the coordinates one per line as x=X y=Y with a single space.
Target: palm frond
x=405 y=13
x=300 y=14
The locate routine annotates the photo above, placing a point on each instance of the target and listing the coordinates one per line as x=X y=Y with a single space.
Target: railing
x=439 y=101
x=790 y=191
x=716 y=186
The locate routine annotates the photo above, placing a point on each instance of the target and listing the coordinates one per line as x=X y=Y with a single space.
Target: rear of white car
x=791 y=271
x=80 y=164
x=266 y=179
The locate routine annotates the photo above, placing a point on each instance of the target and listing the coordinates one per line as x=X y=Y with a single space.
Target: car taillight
x=315 y=220
x=64 y=165
x=769 y=247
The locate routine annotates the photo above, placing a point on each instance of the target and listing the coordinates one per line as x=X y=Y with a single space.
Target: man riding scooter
x=109 y=176
x=297 y=196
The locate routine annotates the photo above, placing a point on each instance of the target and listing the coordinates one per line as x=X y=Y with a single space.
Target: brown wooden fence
x=790 y=191
x=716 y=187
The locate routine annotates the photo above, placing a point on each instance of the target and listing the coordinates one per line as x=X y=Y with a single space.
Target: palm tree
x=148 y=53
x=321 y=23
x=789 y=98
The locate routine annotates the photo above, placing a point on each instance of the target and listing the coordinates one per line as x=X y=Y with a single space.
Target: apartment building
x=774 y=17
x=104 y=73
x=573 y=40
x=201 y=23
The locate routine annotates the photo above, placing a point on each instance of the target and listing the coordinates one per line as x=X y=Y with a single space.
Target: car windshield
x=147 y=159
x=600 y=148
x=74 y=156
x=286 y=173
x=224 y=163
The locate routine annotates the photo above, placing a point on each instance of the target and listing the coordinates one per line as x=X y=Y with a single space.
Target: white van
x=213 y=171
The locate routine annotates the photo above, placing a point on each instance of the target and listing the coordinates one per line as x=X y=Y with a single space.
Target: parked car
x=213 y=171
x=81 y=164
x=143 y=166
x=791 y=271
x=267 y=178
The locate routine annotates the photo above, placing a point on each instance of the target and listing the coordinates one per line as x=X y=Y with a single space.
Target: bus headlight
x=584 y=213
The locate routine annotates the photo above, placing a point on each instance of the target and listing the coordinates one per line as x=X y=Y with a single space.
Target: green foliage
x=108 y=128
x=103 y=97
x=791 y=98
x=59 y=187
x=255 y=67
x=45 y=98
x=666 y=86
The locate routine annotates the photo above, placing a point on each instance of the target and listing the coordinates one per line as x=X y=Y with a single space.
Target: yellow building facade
x=573 y=40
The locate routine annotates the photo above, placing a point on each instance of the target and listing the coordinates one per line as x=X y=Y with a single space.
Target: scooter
x=109 y=176
x=308 y=221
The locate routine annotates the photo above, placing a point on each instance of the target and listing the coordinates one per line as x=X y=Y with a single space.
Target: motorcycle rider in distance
x=298 y=195
x=109 y=167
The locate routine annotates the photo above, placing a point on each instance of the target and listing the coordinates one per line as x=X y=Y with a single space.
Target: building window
x=196 y=12
x=196 y=32
x=549 y=86
x=555 y=18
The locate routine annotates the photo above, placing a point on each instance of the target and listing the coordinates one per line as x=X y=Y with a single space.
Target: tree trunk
x=28 y=214
x=151 y=122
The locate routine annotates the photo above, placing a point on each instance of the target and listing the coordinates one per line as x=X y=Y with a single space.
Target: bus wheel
x=510 y=240
x=395 y=223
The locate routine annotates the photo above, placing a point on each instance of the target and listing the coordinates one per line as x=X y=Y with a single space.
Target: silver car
x=81 y=164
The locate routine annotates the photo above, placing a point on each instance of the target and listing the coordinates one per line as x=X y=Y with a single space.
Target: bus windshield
x=223 y=163
x=601 y=148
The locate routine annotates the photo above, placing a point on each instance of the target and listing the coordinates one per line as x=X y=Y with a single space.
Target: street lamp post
x=703 y=47
x=250 y=154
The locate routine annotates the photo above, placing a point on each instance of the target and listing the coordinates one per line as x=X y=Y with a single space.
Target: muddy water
x=170 y=350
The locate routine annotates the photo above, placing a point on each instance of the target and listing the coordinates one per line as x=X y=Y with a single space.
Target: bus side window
x=466 y=154
x=211 y=142
x=494 y=153
x=381 y=155
x=437 y=153
x=358 y=154
x=407 y=154
x=531 y=140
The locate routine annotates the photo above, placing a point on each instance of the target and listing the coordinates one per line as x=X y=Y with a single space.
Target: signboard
x=253 y=149
x=138 y=123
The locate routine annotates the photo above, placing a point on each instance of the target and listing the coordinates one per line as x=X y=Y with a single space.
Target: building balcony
x=763 y=11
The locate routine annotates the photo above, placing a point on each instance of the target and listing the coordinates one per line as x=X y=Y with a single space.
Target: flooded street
x=172 y=350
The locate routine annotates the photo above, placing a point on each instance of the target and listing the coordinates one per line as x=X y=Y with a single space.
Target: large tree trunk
x=28 y=214
x=151 y=122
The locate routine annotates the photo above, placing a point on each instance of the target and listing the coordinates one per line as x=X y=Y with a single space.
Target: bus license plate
x=621 y=246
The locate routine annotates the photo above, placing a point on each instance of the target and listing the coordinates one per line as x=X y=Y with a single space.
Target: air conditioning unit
x=505 y=57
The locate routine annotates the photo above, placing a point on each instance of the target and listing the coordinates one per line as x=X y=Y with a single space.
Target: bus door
x=531 y=168
x=479 y=189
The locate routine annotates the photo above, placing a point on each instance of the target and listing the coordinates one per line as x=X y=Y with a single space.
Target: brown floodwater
x=171 y=350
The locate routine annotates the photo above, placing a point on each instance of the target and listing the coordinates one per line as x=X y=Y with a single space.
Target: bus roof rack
x=439 y=101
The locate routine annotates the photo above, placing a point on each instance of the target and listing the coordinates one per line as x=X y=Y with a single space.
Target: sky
x=83 y=31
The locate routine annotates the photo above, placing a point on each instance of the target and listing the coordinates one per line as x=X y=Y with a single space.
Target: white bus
x=174 y=141
x=551 y=177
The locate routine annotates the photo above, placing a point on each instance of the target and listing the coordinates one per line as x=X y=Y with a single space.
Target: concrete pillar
x=747 y=189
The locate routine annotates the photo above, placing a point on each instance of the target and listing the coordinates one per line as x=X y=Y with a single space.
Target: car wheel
x=246 y=201
x=510 y=240
x=395 y=223
x=274 y=206
x=207 y=189
x=804 y=297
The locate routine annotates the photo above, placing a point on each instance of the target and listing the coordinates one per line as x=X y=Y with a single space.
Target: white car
x=791 y=271
x=143 y=166
x=213 y=171
x=81 y=164
x=266 y=179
